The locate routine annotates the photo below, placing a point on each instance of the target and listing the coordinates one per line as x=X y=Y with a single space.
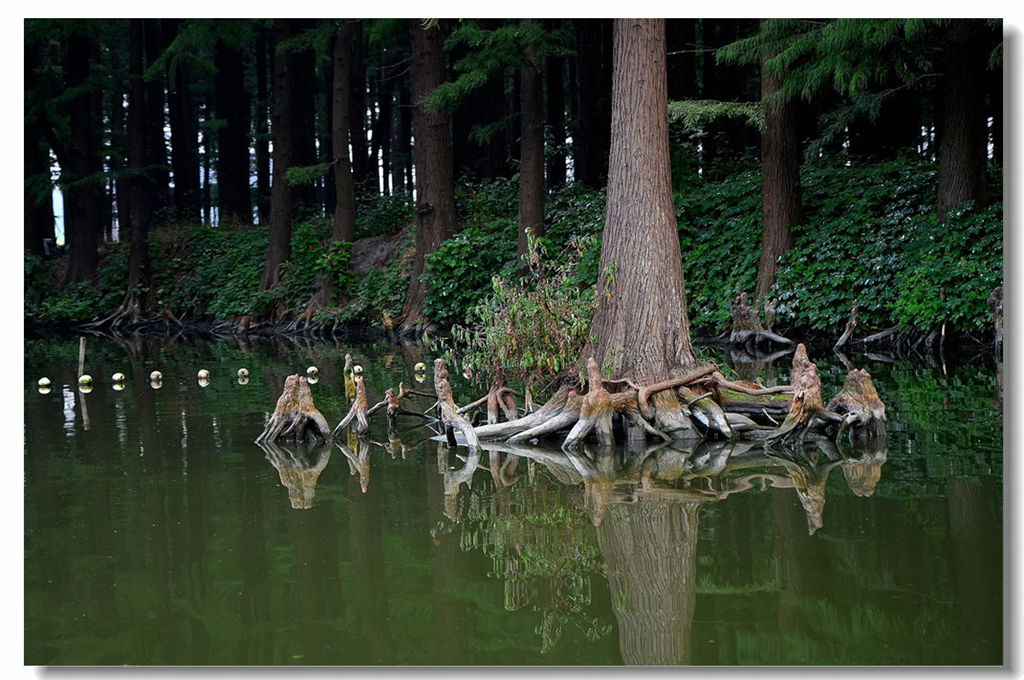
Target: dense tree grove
x=297 y=175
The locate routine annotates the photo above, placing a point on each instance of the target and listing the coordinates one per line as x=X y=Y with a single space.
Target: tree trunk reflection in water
x=650 y=551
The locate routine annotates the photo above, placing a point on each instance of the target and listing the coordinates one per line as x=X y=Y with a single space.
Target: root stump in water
x=450 y=416
x=859 y=405
x=747 y=329
x=357 y=411
x=295 y=415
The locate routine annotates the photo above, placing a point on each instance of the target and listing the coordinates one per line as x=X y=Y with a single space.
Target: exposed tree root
x=295 y=415
x=851 y=325
x=747 y=329
x=450 y=416
x=859 y=404
x=358 y=410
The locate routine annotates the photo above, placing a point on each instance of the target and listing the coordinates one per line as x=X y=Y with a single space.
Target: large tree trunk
x=184 y=135
x=282 y=129
x=435 y=200
x=357 y=109
x=262 y=129
x=782 y=207
x=232 y=108
x=38 y=195
x=80 y=163
x=531 y=139
x=159 y=172
x=554 y=79
x=138 y=300
x=640 y=325
x=964 y=138
x=345 y=207
x=594 y=66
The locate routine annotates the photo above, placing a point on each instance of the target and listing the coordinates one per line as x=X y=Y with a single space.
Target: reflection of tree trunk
x=650 y=551
x=801 y=564
x=977 y=569
x=369 y=584
x=449 y=624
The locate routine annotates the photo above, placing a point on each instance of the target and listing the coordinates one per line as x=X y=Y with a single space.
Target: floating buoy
x=44 y=382
x=312 y=370
x=155 y=376
x=156 y=384
x=85 y=379
x=203 y=374
x=243 y=379
x=44 y=389
x=357 y=370
x=117 y=377
x=85 y=388
x=243 y=373
x=313 y=379
x=118 y=386
x=203 y=382
x=421 y=367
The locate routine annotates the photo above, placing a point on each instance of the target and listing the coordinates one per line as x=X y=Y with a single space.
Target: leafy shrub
x=378 y=215
x=459 y=272
x=532 y=327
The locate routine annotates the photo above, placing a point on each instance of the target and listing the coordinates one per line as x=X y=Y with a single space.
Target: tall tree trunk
x=357 y=110
x=594 y=66
x=435 y=194
x=531 y=140
x=405 y=134
x=782 y=207
x=640 y=326
x=282 y=129
x=184 y=135
x=345 y=207
x=963 y=145
x=325 y=131
x=80 y=165
x=38 y=192
x=262 y=128
x=206 y=162
x=303 y=89
x=344 y=222
x=140 y=205
x=231 y=101
x=158 y=170
x=554 y=79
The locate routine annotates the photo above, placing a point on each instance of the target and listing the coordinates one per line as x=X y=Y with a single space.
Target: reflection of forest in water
x=714 y=554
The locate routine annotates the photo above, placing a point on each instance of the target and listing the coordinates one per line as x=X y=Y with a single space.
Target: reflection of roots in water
x=295 y=472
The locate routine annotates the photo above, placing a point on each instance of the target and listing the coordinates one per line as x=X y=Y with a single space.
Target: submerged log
x=295 y=415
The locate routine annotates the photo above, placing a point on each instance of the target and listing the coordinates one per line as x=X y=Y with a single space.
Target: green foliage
x=378 y=215
x=306 y=174
x=459 y=272
x=336 y=262
x=694 y=114
x=950 y=269
x=533 y=327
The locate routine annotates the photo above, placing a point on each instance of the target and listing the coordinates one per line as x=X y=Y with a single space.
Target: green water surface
x=157 y=532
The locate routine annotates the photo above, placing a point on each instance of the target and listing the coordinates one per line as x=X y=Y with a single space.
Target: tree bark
x=435 y=200
x=357 y=109
x=184 y=134
x=531 y=139
x=345 y=206
x=231 y=102
x=80 y=165
x=782 y=207
x=282 y=129
x=594 y=68
x=140 y=206
x=640 y=326
x=963 y=144
x=38 y=207
x=554 y=80
x=158 y=170
x=262 y=129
